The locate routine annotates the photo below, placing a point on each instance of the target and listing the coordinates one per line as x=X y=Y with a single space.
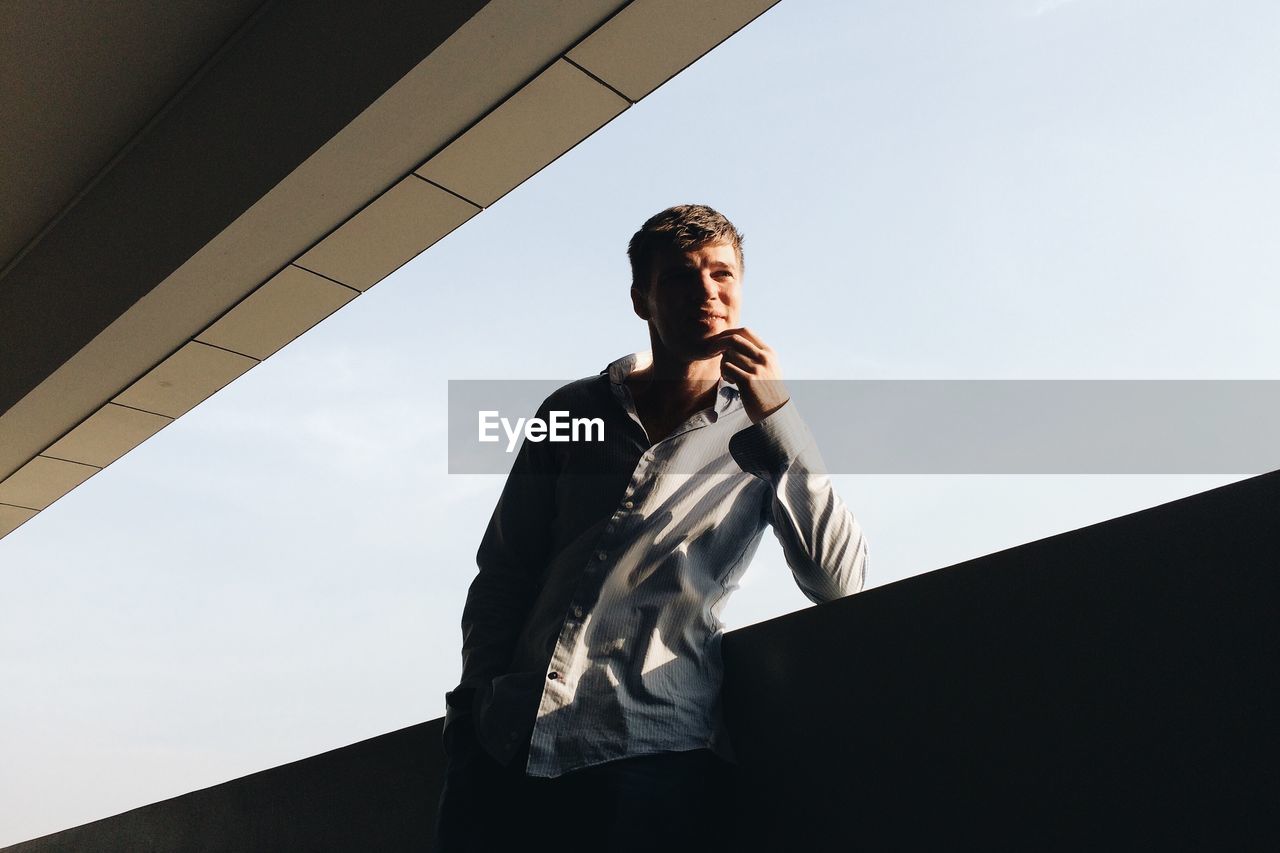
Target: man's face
x=692 y=296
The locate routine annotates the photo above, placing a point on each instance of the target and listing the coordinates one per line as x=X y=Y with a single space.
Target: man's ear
x=640 y=304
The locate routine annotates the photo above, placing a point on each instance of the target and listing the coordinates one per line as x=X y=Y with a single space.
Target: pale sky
x=1031 y=189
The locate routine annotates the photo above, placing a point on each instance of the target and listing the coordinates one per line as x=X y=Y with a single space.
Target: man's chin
x=693 y=347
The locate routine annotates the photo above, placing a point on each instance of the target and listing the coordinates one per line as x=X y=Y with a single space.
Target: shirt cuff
x=766 y=449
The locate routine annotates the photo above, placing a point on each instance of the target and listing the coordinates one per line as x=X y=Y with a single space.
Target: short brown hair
x=684 y=227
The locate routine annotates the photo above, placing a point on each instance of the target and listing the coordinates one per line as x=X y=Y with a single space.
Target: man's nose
x=709 y=287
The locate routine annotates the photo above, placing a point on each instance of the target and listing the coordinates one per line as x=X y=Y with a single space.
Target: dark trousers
x=669 y=802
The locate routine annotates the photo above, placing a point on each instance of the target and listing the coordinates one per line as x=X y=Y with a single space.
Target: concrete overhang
x=190 y=186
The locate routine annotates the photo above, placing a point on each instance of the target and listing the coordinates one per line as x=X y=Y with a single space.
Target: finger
x=743 y=363
x=746 y=334
x=733 y=373
x=730 y=340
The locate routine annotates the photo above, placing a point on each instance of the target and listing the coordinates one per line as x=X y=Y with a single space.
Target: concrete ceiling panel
x=107 y=434
x=13 y=517
x=134 y=269
x=317 y=125
x=184 y=379
x=42 y=481
x=288 y=304
x=551 y=114
x=78 y=80
x=402 y=222
x=650 y=41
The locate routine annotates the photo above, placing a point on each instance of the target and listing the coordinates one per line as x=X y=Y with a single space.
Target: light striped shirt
x=592 y=629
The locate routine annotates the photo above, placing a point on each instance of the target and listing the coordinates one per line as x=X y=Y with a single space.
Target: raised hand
x=752 y=365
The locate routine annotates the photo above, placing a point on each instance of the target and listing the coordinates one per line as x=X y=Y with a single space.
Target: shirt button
x=608 y=528
x=601 y=556
x=553 y=675
x=577 y=612
x=628 y=505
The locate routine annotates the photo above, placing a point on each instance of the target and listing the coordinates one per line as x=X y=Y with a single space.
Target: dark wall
x=1111 y=688
x=376 y=795
x=1106 y=689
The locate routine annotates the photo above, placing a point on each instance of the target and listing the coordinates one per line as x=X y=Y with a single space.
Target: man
x=588 y=712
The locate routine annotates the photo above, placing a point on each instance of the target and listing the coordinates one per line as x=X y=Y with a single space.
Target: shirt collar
x=620 y=369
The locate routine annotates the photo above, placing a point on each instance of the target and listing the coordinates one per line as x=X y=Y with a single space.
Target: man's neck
x=668 y=391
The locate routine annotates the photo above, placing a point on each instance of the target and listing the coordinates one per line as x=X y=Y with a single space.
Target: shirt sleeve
x=511 y=559
x=822 y=541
